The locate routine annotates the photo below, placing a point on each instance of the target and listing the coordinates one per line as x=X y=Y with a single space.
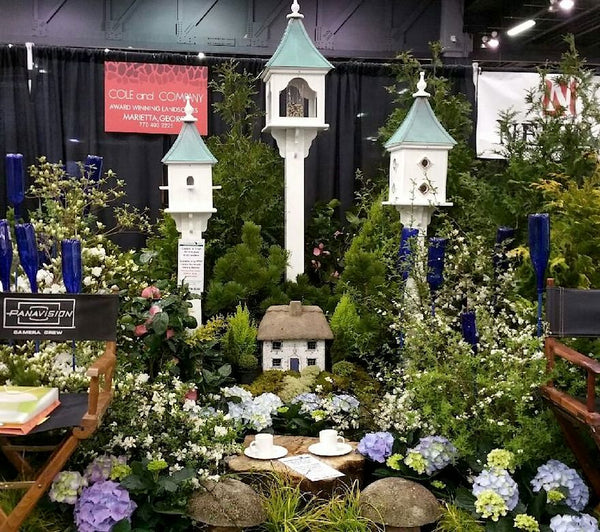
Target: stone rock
x=227 y=503
x=397 y=502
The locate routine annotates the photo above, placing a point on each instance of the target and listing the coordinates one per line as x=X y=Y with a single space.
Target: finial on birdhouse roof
x=189 y=117
x=295 y=11
x=421 y=87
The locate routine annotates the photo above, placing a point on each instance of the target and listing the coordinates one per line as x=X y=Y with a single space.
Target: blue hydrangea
x=376 y=445
x=310 y=402
x=101 y=506
x=345 y=403
x=500 y=482
x=574 y=523
x=437 y=452
x=255 y=413
x=554 y=475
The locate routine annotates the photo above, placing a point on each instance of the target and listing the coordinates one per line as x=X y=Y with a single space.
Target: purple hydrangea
x=574 y=523
x=345 y=403
x=376 y=445
x=554 y=475
x=101 y=468
x=310 y=402
x=101 y=506
x=437 y=451
x=500 y=482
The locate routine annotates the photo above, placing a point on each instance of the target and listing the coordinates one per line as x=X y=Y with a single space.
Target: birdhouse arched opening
x=189 y=181
x=298 y=100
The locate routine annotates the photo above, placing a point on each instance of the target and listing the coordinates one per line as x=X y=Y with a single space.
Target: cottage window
x=276 y=346
x=311 y=361
x=312 y=344
x=276 y=363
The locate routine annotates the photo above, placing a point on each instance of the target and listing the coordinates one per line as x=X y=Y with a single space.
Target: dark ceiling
x=544 y=41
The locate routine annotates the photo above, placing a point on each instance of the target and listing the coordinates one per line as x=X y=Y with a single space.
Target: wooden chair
x=575 y=313
x=81 y=317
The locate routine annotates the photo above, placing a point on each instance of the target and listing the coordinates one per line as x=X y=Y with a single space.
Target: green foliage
x=370 y=279
x=159 y=495
x=240 y=339
x=249 y=171
x=326 y=244
x=345 y=324
x=563 y=148
x=247 y=273
x=342 y=513
x=478 y=400
x=154 y=330
x=287 y=508
x=159 y=259
x=43 y=517
x=269 y=381
x=455 y=518
x=343 y=368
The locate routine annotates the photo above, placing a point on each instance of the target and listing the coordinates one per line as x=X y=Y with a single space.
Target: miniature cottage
x=293 y=337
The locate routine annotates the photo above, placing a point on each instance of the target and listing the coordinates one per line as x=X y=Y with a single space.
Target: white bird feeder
x=190 y=197
x=419 y=163
x=295 y=113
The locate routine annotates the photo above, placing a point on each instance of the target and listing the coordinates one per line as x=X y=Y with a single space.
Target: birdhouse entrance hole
x=189 y=181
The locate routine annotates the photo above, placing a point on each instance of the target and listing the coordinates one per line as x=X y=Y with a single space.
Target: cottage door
x=295 y=364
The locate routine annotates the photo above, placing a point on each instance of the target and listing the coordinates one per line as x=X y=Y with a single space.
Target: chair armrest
x=573 y=356
x=592 y=367
x=105 y=365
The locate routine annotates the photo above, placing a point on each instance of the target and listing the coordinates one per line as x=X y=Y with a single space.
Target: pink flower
x=192 y=394
x=140 y=330
x=316 y=252
x=170 y=333
x=151 y=292
x=335 y=274
x=154 y=309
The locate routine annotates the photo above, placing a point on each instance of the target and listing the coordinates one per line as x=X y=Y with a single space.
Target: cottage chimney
x=295 y=308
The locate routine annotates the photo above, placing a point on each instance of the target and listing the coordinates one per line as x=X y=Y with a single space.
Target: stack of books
x=22 y=408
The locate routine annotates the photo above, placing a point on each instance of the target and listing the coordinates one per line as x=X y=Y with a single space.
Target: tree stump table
x=351 y=465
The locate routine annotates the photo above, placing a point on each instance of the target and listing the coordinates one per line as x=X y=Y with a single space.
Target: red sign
x=149 y=98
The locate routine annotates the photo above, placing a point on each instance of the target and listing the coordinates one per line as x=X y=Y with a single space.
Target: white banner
x=499 y=92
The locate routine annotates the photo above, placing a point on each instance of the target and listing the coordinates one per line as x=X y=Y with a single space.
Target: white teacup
x=262 y=444
x=329 y=439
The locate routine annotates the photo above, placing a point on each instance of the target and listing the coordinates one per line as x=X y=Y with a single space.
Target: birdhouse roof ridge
x=189 y=147
x=296 y=49
x=421 y=126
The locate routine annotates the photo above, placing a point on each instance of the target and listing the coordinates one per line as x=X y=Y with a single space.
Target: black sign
x=59 y=316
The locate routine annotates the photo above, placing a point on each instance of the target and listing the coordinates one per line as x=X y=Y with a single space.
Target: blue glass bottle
x=28 y=253
x=6 y=255
x=71 y=264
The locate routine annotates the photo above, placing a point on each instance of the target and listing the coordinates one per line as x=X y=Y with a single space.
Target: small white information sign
x=312 y=468
x=190 y=264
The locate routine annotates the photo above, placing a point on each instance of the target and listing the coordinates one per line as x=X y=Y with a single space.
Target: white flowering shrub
x=154 y=420
x=441 y=385
x=50 y=365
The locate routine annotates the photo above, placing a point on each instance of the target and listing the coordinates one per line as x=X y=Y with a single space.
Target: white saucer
x=278 y=452
x=339 y=450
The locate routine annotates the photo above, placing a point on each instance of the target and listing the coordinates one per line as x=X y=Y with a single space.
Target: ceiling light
x=520 y=28
x=201 y=55
x=490 y=41
x=566 y=5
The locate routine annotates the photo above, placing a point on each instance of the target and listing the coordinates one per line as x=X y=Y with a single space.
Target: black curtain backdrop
x=62 y=117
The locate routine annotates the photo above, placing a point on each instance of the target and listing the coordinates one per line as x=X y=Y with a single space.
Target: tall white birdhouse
x=419 y=163
x=295 y=113
x=190 y=189
x=295 y=83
